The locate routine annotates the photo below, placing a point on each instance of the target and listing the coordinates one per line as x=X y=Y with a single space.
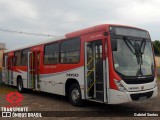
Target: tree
x=156 y=46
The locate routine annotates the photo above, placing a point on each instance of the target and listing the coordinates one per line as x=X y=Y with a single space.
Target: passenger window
x=17 y=57
x=70 y=51
x=51 y=53
x=25 y=57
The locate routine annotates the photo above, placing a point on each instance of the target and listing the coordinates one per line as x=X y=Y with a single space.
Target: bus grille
x=140 y=95
x=138 y=81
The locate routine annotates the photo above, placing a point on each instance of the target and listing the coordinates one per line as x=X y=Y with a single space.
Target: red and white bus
x=107 y=63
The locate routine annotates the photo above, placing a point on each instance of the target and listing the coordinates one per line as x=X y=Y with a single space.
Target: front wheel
x=75 y=95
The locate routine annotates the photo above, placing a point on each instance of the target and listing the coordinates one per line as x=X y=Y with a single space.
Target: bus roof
x=70 y=35
x=35 y=44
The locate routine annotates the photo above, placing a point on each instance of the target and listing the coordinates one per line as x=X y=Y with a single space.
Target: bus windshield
x=133 y=57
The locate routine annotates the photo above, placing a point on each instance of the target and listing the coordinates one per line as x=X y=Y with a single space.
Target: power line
x=26 y=33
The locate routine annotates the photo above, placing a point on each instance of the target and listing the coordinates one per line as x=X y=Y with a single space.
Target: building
x=1 y=54
x=2 y=48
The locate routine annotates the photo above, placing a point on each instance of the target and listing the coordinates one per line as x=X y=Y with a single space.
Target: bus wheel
x=75 y=95
x=20 y=85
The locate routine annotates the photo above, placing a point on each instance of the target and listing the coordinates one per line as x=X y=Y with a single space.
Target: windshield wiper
x=138 y=53
x=129 y=45
x=142 y=46
x=136 y=49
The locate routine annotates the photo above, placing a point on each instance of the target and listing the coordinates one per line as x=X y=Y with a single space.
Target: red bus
x=107 y=63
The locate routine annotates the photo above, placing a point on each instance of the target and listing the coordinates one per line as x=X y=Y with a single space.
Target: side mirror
x=114 y=44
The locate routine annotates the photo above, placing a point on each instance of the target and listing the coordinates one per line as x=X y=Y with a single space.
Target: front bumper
x=117 y=97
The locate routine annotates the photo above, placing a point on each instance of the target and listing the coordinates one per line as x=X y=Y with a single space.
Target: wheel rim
x=20 y=86
x=75 y=94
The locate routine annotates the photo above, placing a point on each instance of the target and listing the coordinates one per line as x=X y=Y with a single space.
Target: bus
x=107 y=63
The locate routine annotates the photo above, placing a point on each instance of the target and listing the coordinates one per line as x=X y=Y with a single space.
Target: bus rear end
x=132 y=65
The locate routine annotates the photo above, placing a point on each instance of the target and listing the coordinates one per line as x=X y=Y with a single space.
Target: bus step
x=99 y=81
x=99 y=86
x=96 y=100
x=38 y=90
x=99 y=95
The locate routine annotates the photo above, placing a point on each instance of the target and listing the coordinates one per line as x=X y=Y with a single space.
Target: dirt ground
x=39 y=101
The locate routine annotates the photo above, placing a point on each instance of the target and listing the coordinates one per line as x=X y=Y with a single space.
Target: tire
x=75 y=95
x=20 y=85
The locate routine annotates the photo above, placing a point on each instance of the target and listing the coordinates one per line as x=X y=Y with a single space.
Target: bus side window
x=17 y=56
x=51 y=53
x=24 y=57
x=70 y=51
x=14 y=60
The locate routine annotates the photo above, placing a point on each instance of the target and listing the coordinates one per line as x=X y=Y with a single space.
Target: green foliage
x=156 y=46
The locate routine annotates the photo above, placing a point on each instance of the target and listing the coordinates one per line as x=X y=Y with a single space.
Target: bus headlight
x=120 y=86
x=155 y=85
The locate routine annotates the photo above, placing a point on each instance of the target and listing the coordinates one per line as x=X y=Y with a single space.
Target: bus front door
x=95 y=81
x=33 y=70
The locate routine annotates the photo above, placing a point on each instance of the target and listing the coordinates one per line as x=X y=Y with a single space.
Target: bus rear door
x=6 y=70
x=10 y=70
x=33 y=70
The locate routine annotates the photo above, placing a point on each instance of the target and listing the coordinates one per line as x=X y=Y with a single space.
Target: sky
x=58 y=17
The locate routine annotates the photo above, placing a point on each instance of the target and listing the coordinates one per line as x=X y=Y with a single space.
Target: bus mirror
x=114 y=44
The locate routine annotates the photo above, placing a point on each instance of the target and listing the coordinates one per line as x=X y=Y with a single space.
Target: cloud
x=140 y=12
x=58 y=17
x=19 y=8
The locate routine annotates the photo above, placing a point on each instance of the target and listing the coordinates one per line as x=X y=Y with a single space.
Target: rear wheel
x=20 y=85
x=75 y=95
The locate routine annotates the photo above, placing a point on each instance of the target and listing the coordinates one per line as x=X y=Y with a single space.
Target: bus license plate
x=142 y=98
